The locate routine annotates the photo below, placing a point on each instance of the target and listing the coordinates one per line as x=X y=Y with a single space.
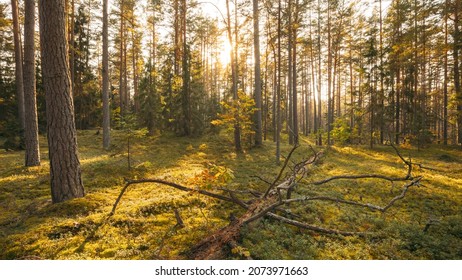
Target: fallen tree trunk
x=277 y=194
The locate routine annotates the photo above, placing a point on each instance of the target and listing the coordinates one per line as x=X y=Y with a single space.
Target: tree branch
x=314 y=228
x=174 y=185
x=363 y=176
x=281 y=171
x=355 y=203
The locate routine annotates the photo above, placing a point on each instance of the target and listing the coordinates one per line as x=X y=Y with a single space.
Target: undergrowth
x=426 y=224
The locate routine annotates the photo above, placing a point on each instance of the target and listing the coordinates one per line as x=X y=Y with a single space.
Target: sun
x=224 y=55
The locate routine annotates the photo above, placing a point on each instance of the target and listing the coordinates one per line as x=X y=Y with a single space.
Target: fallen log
x=268 y=204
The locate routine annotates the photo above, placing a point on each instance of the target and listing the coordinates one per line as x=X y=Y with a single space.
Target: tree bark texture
x=65 y=172
x=30 y=103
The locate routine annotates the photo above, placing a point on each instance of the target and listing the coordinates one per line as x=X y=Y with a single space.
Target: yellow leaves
x=215 y=175
x=238 y=113
x=217 y=122
x=241 y=251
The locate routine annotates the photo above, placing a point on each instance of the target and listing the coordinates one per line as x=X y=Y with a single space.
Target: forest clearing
x=426 y=224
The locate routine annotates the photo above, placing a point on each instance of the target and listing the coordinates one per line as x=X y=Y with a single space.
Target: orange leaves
x=214 y=175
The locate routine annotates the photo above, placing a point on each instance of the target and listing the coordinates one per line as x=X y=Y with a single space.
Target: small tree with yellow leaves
x=238 y=112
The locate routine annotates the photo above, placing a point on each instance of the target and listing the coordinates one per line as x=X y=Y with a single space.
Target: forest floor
x=426 y=224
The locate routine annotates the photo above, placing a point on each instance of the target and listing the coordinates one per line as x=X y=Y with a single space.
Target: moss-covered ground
x=426 y=224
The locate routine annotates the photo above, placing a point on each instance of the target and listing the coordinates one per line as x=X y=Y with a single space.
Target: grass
x=144 y=224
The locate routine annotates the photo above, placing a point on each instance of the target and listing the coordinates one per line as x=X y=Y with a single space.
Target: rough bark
x=65 y=172
x=31 y=140
x=71 y=24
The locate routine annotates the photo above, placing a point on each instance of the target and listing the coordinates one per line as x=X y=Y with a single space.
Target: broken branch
x=171 y=184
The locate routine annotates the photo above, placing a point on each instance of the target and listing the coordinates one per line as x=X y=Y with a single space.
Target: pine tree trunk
x=233 y=52
x=105 y=72
x=457 y=83
x=186 y=94
x=319 y=142
x=66 y=181
x=290 y=85
x=122 y=90
x=257 y=90
x=31 y=125
x=278 y=89
x=71 y=35
x=18 y=61
x=294 y=76
x=329 y=77
x=382 y=92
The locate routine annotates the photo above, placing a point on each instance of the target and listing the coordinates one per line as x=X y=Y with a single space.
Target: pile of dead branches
x=279 y=194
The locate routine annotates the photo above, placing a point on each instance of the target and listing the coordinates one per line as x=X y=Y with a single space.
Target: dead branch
x=281 y=171
x=333 y=199
x=279 y=193
x=314 y=228
x=364 y=176
x=171 y=184
x=355 y=203
x=179 y=220
x=407 y=162
x=261 y=179
x=373 y=176
x=414 y=182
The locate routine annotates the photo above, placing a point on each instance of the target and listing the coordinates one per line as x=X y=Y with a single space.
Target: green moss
x=144 y=224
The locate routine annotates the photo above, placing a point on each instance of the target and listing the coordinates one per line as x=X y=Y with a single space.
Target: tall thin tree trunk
x=19 y=63
x=278 y=94
x=234 y=90
x=135 y=67
x=31 y=124
x=177 y=37
x=186 y=95
x=329 y=76
x=445 y=86
x=382 y=92
x=313 y=80
x=121 y=59
x=105 y=72
x=66 y=181
x=294 y=76
x=290 y=120
x=457 y=83
x=319 y=142
x=257 y=70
